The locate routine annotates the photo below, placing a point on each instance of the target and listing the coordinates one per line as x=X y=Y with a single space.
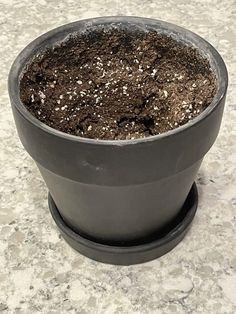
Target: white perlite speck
x=140 y=68
x=79 y=82
x=42 y=95
x=154 y=71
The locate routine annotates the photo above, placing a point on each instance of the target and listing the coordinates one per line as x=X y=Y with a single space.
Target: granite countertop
x=39 y=272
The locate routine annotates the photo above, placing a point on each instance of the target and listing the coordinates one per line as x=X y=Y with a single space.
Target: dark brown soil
x=117 y=85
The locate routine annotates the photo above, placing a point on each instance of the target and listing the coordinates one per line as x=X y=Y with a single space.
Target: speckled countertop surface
x=39 y=272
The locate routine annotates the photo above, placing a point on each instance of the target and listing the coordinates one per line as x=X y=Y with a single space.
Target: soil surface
x=117 y=85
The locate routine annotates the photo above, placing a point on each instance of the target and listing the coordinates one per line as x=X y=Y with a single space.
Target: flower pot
x=121 y=201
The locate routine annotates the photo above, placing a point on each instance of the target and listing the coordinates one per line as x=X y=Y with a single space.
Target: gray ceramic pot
x=121 y=201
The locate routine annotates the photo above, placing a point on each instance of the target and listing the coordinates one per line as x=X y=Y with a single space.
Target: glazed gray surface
x=39 y=272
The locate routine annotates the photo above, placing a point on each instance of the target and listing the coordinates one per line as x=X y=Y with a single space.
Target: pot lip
x=26 y=53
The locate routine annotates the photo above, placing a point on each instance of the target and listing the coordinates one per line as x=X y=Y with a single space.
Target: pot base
x=133 y=254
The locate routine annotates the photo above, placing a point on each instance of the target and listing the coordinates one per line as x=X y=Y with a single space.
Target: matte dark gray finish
x=111 y=214
x=119 y=191
x=155 y=247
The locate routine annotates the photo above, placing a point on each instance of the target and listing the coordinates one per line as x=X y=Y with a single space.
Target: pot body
x=119 y=191
x=115 y=214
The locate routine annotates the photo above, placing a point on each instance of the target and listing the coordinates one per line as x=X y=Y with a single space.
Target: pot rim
x=35 y=46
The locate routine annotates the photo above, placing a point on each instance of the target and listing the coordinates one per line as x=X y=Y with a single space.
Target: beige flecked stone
x=40 y=273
